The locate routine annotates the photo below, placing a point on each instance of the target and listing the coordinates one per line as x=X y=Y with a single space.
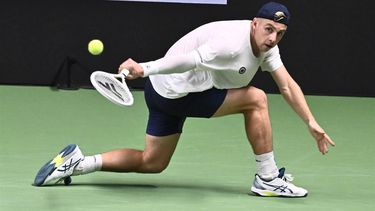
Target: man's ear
x=255 y=22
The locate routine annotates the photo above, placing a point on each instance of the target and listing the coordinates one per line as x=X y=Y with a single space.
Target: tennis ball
x=95 y=47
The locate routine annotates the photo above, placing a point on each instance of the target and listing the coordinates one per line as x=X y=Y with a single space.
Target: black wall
x=328 y=48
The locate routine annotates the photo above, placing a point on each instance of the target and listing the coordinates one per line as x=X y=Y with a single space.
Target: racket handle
x=125 y=72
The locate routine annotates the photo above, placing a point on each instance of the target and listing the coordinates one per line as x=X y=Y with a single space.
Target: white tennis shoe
x=279 y=186
x=59 y=168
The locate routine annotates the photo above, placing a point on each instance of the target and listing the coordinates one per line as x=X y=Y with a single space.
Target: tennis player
x=207 y=74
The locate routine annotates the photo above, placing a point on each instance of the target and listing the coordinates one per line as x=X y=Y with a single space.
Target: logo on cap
x=279 y=16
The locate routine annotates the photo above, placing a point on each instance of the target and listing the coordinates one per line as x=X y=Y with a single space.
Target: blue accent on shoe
x=43 y=173
x=68 y=149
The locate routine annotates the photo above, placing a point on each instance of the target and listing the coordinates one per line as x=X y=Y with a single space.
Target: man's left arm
x=293 y=94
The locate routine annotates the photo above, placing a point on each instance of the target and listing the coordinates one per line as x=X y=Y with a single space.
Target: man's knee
x=158 y=152
x=257 y=98
x=155 y=168
x=154 y=165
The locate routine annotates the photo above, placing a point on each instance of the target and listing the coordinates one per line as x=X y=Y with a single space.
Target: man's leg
x=252 y=103
x=71 y=162
x=154 y=158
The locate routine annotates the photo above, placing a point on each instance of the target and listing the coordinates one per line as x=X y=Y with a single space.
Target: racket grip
x=125 y=72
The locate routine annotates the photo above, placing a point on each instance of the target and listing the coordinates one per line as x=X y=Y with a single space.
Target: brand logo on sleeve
x=242 y=70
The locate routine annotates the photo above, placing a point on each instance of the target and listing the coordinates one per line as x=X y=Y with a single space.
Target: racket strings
x=114 y=87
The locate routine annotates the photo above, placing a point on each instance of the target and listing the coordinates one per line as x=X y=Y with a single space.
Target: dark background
x=328 y=48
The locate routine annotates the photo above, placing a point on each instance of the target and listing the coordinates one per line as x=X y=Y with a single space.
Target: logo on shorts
x=242 y=70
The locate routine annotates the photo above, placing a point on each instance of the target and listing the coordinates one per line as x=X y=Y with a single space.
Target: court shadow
x=168 y=186
x=204 y=188
x=115 y=185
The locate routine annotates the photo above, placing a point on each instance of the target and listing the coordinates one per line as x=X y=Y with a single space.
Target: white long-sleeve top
x=217 y=54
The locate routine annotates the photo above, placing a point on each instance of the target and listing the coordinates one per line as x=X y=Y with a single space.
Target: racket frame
x=115 y=82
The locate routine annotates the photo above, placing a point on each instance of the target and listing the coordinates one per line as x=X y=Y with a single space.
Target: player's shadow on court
x=164 y=187
x=115 y=185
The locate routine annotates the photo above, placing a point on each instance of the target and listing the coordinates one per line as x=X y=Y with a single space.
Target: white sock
x=266 y=166
x=89 y=164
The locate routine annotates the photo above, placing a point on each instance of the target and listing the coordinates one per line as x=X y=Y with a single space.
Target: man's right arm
x=165 y=65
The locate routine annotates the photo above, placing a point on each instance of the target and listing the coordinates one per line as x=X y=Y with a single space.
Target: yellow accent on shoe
x=270 y=194
x=57 y=160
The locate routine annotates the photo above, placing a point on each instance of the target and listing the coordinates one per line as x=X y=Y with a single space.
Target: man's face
x=267 y=33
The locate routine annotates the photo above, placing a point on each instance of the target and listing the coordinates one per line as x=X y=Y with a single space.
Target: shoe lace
x=66 y=167
x=288 y=177
x=285 y=177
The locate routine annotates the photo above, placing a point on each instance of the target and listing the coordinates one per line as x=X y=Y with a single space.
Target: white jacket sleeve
x=171 y=64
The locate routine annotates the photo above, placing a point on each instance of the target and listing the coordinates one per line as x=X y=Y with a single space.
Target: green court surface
x=212 y=168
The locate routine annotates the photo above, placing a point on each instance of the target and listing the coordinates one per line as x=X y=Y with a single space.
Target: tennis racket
x=113 y=87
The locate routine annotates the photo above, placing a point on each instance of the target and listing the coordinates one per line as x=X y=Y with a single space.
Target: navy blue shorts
x=167 y=116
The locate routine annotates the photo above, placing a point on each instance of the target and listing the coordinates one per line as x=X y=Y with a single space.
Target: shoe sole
x=267 y=193
x=52 y=165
